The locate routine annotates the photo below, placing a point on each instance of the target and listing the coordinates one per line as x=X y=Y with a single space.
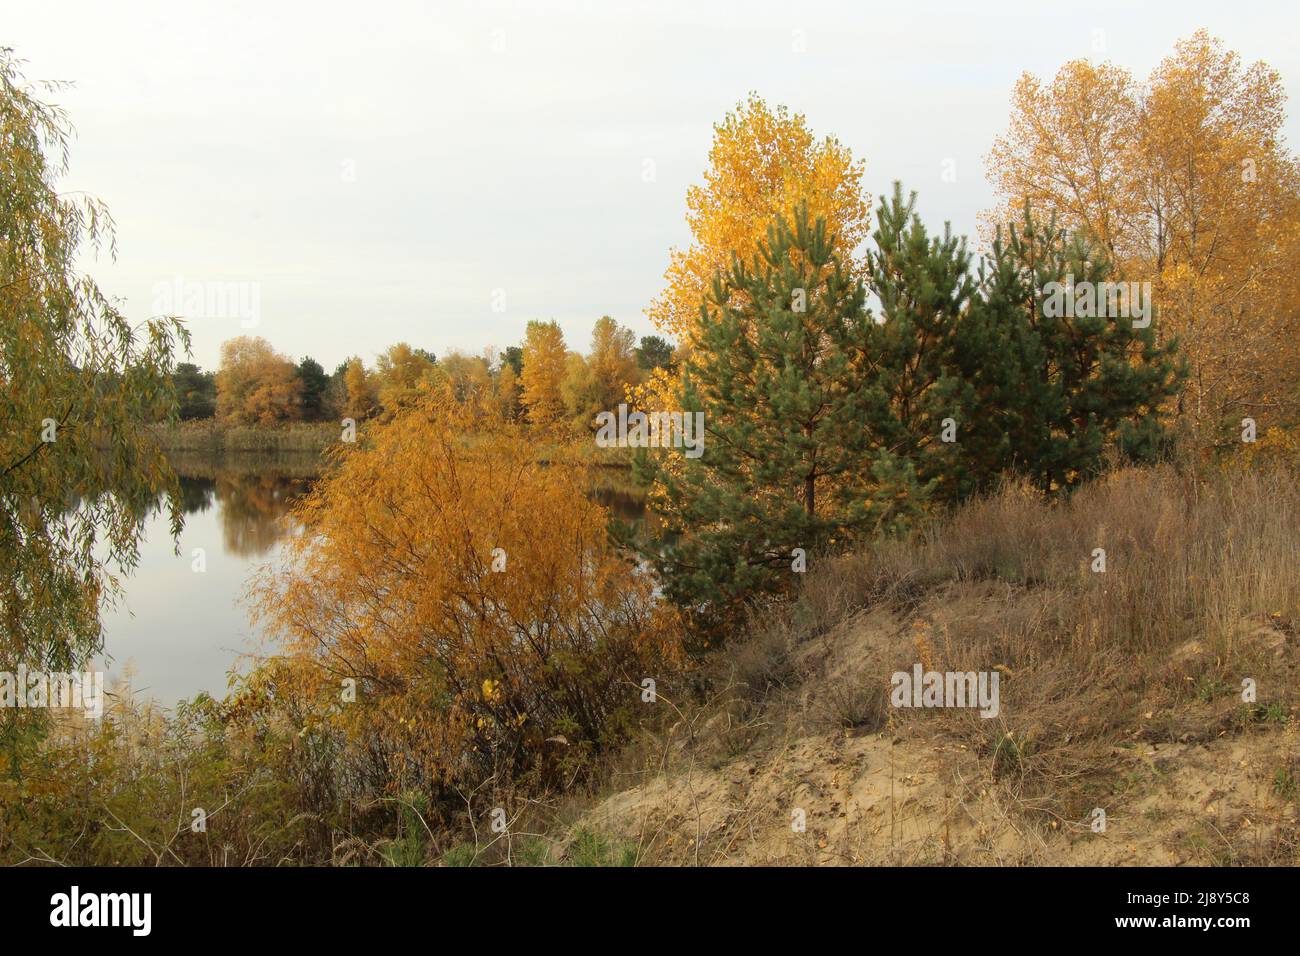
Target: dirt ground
x=801 y=790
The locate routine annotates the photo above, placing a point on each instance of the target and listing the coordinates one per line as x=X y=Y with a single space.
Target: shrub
x=472 y=595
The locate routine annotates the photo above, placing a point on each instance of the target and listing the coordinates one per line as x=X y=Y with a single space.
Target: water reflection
x=253 y=496
x=253 y=511
x=181 y=630
x=181 y=624
x=626 y=505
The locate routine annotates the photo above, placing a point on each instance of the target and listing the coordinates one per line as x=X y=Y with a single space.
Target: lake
x=177 y=631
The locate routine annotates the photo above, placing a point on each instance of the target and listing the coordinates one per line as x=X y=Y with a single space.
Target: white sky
x=221 y=135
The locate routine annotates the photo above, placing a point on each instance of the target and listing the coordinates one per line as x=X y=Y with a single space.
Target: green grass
x=588 y=848
x=592 y=848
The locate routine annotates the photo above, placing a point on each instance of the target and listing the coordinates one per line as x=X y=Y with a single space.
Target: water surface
x=182 y=622
x=178 y=631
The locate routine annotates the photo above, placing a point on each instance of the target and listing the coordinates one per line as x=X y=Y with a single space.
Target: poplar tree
x=542 y=378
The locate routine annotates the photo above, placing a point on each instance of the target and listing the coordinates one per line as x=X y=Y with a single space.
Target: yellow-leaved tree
x=505 y=393
x=1186 y=181
x=601 y=380
x=474 y=601
x=544 y=369
x=764 y=162
x=256 y=385
x=359 y=388
x=400 y=373
x=612 y=360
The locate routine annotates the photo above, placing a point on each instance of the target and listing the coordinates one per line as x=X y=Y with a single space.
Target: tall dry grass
x=1186 y=559
x=208 y=435
x=1201 y=589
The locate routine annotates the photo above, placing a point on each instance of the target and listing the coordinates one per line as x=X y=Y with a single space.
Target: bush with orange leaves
x=462 y=609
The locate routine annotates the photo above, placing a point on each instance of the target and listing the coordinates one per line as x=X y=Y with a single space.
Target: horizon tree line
x=541 y=381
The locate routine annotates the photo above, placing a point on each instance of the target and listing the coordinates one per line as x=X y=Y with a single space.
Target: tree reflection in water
x=183 y=631
x=253 y=495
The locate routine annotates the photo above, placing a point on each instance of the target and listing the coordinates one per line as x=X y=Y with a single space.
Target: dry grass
x=208 y=435
x=1184 y=558
x=1200 y=591
x=1098 y=669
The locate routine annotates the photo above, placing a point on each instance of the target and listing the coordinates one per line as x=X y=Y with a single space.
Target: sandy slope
x=924 y=791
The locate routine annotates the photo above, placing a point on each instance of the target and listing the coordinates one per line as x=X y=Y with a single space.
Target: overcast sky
x=385 y=171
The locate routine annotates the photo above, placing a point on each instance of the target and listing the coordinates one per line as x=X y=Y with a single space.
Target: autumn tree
x=764 y=162
x=1185 y=182
x=77 y=380
x=400 y=372
x=613 y=360
x=542 y=379
x=600 y=380
x=256 y=385
x=505 y=392
x=473 y=600
x=334 y=403
x=583 y=397
x=467 y=378
x=359 y=390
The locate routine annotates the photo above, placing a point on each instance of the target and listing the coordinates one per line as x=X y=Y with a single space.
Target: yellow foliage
x=360 y=390
x=544 y=369
x=396 y=584
x=1185 y=179
x=255 y=384
x=763 y=162
x=400 y=374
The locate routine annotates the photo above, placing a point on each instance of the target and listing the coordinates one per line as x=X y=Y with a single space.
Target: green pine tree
x=1066 y=388
x=916 y=349
x=778 y=372
x=825 y=426
x=314 y=385
x=196 y=391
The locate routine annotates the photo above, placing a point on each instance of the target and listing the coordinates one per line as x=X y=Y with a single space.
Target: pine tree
x=916 y=349
x=778 y=373
x=196 y=391
x=654 y=352
x=1064 y=386
x=314 y=382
